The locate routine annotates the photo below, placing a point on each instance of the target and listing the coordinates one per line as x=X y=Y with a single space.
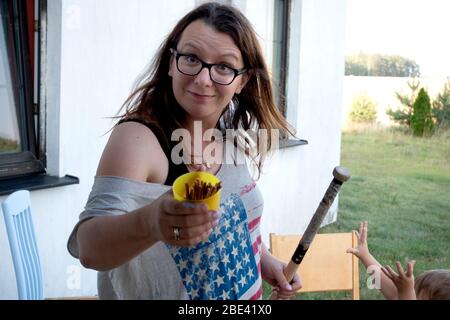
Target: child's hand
x=361 y=250
x=403 y=281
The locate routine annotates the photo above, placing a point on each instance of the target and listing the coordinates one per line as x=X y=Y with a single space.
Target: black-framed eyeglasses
x=190 y=65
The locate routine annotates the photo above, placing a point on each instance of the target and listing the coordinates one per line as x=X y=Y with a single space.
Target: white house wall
x=298 y=177
x=99 y=47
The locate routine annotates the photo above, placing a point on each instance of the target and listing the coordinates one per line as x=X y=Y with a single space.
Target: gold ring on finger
x=176 y=233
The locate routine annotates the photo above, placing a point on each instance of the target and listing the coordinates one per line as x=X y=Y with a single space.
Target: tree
x=363 y=64
x=357 y=65
x=441 y=108
x=364 y=110
x=403 y=115
x=421 y=121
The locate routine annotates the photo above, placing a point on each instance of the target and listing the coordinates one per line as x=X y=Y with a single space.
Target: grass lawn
x=401 y=185
x=7 y=145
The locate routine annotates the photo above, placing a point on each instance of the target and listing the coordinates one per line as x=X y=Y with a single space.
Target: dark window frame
x=20 y=55
x=282 y=14
x=282 y=21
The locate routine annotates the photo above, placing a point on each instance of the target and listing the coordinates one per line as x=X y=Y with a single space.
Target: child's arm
x=388 y=288
x=404 y=281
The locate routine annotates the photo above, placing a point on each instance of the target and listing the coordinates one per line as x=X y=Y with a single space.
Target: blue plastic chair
x=22 y=241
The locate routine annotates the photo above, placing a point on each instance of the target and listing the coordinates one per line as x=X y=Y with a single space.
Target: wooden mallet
x=340 y=175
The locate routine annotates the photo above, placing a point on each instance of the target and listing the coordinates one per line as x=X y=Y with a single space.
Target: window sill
x=35 y=182
x=292 y=143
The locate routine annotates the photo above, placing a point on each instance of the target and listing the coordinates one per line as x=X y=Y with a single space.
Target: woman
x=208 y=74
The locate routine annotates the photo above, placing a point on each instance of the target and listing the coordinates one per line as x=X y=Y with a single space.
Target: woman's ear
x=170 y=66
x=244 y=79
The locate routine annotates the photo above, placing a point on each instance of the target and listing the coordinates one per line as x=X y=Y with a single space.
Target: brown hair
x=153 y=100
x=433 y=285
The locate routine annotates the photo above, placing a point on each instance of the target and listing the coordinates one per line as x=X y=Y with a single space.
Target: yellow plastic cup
x=179 y=189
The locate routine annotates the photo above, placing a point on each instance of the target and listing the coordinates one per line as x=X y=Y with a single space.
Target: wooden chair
x=326 y=266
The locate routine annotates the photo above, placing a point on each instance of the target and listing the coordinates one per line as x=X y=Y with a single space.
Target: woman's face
x=199 y=96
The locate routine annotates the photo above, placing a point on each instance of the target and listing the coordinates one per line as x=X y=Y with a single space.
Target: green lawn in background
x=7 y=145
x=401 y=185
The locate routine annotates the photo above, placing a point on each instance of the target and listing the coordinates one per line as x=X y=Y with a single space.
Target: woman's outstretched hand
x=179 y=223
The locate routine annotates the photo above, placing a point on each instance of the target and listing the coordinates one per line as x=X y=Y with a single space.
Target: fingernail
x=188 y=205
x=288 y=287
x=215 y=223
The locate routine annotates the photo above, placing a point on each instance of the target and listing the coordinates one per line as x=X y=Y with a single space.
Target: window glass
x=9 y=126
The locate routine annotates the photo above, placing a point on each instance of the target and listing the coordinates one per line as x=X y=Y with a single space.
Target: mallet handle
x=340 y=175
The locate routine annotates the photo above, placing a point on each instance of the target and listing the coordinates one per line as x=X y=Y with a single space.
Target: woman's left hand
x=272 y=272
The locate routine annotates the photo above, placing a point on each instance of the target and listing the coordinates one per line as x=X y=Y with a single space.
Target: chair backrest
x=22 y=241
x=326 y=265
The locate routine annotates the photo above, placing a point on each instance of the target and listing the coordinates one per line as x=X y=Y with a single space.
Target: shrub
x=364 y=110
x=403 y=115
x=441 y=108
x=421 y=121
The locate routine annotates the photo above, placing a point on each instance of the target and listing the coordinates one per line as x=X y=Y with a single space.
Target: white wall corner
x=50 y=85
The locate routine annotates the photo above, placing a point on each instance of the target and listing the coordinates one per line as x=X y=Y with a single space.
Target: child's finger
x=364 y=232
x=401 y=272
x=358 y=237
x=387 y=274
x=391 y=271
x=410 y=271
x=352 y=250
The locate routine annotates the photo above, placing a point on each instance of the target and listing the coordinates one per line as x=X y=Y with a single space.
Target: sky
x=415 y=29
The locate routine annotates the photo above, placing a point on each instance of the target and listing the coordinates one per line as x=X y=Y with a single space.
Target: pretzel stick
x=201 y=190
x=341 y=175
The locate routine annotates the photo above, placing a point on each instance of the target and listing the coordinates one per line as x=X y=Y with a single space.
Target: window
x=18 y=141
x=280 y=50
x=22 y=160
x=280 y=65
